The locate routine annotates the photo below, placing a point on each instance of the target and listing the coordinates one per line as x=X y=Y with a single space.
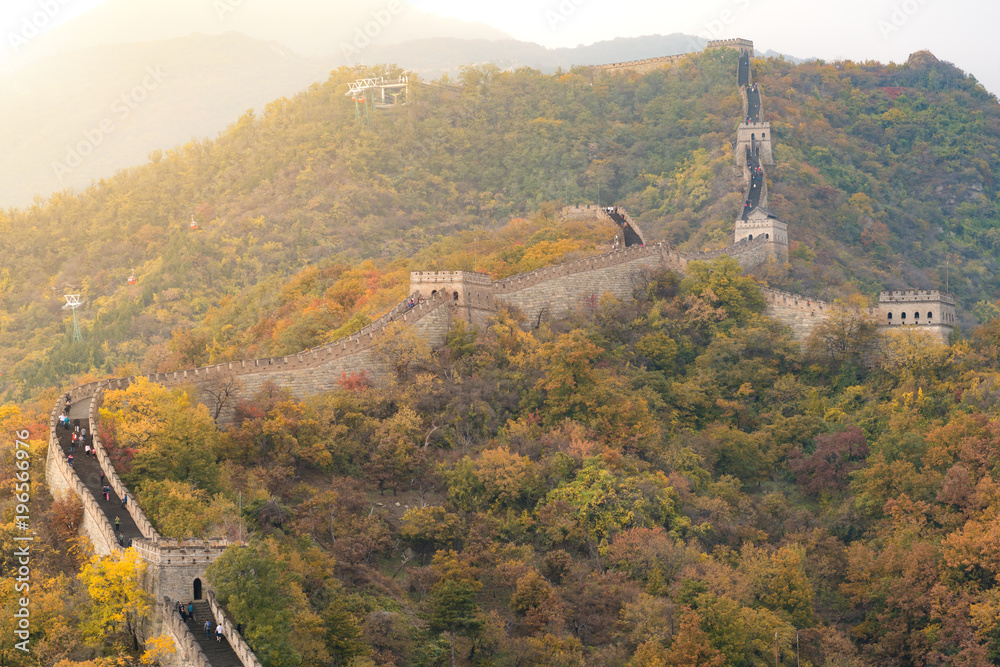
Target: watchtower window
x=767 y=237
x=197 y=589
x=930 y=315
x=753 y=137
x=890 y=317
x=916 y=316
x=750 y=237
x=763 y=135
x=902 y=316
x=454 y=297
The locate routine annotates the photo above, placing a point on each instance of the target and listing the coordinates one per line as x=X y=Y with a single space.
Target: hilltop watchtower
x=932 y=310
x=469 y=293
x=744 y=46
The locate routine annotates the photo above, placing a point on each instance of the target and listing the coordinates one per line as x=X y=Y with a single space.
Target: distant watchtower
x=469 y=293
x=931 y=310
x=744 y=46
x=755 y=137
x=762 y=224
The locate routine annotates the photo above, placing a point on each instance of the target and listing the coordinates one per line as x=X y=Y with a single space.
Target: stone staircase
x=89 y=471
x=753 y=104
x=743 y=74
x=756 y=186
x=219 y=653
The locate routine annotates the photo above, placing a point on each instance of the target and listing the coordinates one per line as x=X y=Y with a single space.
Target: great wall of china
x=176 y=568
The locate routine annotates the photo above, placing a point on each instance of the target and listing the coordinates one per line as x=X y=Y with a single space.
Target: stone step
x=219 y=653
x=89 y=471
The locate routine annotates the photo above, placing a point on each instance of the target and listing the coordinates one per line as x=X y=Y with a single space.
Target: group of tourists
x=78 y=437
x=187 y=614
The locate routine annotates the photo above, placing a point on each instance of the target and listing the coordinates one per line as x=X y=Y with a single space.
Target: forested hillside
x=883 y=175
x=664 y=480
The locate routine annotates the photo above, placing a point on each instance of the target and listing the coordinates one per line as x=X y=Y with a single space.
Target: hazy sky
x=959 y=31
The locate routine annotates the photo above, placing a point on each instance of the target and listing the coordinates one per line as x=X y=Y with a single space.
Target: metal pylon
x=73 y=301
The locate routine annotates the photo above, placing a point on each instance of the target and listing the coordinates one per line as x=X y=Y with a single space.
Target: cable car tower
x=73 y=301
x=371 y=94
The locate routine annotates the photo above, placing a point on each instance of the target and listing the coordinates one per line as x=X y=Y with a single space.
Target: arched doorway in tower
x=197 y=589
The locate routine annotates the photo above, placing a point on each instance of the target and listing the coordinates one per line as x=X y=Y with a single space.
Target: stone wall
x=641 y=66
x=800 y=313
x=62 y=479
x=188 y=652
x=310 y=372
x=553 y=292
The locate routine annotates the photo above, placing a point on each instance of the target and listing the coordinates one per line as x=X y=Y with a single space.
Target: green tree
x=255 y=589
x=721 y=284
x=452 y=608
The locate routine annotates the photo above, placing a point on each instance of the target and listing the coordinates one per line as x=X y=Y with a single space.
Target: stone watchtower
x=742 y=45
x=469 y=294
x=753 y=137
x=759 y=224
x=930 y=310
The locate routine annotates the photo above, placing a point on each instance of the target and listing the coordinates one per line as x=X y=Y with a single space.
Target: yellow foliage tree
x=158 y=650
x=116 y=602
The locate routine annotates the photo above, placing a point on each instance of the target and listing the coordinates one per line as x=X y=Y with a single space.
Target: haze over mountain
x=310 y=27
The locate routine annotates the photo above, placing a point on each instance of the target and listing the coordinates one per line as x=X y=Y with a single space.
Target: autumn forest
x=665 y=480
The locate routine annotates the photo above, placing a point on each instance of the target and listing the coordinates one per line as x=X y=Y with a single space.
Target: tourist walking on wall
x=218 y=633
x=208 y=629
x=191 y=609
x=124 y=501
x=117 y=523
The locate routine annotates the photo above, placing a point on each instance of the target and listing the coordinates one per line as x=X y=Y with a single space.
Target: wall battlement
x=905 y=296
x=432 y=277
x=641 y=66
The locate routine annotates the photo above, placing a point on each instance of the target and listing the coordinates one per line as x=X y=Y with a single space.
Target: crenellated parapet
x=642 y=66
x=931 y=310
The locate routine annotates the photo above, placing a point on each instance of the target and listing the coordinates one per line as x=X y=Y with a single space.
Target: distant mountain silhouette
x=433 y=57
x=310 y=27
